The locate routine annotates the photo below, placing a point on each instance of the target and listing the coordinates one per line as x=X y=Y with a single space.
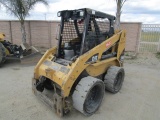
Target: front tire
x=88 y=95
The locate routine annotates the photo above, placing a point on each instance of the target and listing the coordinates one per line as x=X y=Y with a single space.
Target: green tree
x=20 y=9
x=120 y=4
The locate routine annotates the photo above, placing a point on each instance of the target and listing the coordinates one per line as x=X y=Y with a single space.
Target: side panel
x=97 y=69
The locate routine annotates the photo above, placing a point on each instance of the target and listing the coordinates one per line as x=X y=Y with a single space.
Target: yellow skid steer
x=87 y=61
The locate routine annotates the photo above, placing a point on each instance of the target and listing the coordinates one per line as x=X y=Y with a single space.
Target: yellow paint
x=65 y=81
x=2 y=35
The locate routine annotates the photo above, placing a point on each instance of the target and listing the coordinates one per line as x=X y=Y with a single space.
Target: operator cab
x=80 y=31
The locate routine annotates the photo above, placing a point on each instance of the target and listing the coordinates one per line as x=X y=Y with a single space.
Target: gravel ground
x=138 y=99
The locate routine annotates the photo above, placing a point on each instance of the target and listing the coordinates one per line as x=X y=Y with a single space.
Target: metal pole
x=138 y=42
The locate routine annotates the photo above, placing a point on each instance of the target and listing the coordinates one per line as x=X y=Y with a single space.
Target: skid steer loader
x=24 y=52
x=87 y=61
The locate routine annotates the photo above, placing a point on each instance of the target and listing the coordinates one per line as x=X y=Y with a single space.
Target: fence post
x=49 y=34
x=30 y=34
x=138 y=42
x=10 y=30
x=158 y=48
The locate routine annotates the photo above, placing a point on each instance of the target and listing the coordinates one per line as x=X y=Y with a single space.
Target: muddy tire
x=88 y=95
x=2 y=54
x=114 y=79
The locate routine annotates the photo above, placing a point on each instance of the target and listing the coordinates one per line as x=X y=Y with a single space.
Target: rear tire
x=88 y=95
x=114 y=79
x=2 y=54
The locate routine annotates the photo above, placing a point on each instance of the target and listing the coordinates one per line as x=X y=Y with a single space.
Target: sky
x=145 y=11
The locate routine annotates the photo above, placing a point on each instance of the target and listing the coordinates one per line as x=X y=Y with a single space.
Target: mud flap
x=55 y=102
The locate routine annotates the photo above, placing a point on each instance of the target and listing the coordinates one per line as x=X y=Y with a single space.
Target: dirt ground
x=139 y=98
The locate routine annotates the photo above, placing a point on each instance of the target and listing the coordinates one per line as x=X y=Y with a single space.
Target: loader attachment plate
x=53 y=100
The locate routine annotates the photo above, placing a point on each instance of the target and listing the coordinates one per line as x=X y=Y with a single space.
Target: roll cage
x=83 y=29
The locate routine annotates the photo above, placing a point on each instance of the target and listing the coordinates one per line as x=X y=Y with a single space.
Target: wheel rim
x=118 y=81
x=94 y=98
